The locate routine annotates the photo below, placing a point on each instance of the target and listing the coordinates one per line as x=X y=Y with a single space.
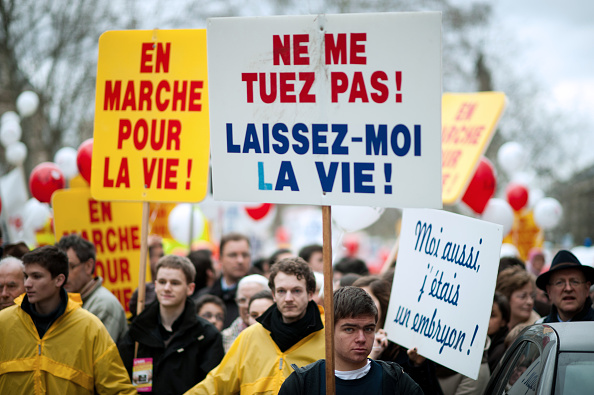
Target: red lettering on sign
x=279 y=86
x=111 y=101
x=336 y=48
x=281 y=49
x=195 y=96
x=167 y=132
x=123 y=295
x=94 y=211
x=185 y=95
x=162 y=57
x=166 y=172
x=356 y=86
x=110 y=239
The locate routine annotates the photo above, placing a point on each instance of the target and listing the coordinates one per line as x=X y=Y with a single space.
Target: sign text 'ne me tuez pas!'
x=327 y=109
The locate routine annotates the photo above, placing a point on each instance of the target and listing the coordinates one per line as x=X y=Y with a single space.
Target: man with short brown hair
x=235 y=259
x=355 y=318
x=182 y=347
x=49 y=344
x=289 y=332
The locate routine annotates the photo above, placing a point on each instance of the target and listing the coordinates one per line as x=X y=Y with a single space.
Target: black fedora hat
x=564 y=260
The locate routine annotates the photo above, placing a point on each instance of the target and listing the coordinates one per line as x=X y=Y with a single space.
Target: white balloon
x=65 y=158
x=179 y=222
x=524 y=178
x=509 y=251
x=534 y=196
x=10 y=132
x=16 y=153
x=27 y=103
x=354 y=218
x=500 y=212
x=547 y=213
x=36 y=214
x=9 y=116
x=511 y=157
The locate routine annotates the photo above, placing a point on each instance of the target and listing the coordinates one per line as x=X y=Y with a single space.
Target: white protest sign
x=443 y=287
x=327 y=109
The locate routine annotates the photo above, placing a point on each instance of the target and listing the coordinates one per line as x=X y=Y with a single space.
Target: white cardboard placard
x=327 y=109
x=443 y=287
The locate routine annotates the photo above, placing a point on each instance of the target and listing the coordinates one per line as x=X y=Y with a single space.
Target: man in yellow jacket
x=290 y=332
x=49 y=344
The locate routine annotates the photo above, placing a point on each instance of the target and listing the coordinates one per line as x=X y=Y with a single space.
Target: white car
x=547 y=359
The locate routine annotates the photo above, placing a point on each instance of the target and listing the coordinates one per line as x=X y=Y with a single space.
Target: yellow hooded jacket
x=75 y=356
x=255 y=365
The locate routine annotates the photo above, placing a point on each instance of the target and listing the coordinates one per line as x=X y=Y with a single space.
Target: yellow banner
x=114 y=229
x=151 y=136
x=525 y=234
x=468 y=124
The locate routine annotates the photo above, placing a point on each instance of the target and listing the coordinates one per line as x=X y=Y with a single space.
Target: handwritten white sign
x=443 y=287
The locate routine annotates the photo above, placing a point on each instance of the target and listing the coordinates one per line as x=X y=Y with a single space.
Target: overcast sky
x=557 y=41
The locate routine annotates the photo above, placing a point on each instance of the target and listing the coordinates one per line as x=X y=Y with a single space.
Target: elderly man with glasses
x=567 y=283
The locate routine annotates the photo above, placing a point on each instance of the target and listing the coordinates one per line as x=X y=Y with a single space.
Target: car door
x=521 y=371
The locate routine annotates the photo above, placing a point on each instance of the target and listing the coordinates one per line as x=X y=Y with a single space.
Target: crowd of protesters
x=233 y=325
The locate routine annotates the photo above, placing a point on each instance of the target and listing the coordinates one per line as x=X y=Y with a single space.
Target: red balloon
x=517 y=196
x=481 y=187
x=46 y=178
x=258 y=212
x=84 y=158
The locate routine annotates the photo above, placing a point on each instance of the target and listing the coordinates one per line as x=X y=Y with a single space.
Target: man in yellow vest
x=290 y=332
x=49 y=344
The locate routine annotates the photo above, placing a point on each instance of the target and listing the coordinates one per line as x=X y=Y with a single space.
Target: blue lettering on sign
x=327 y=179
x=283 y=147
x=231 y=148
x=318 y=139
x=446 y=335
x=251 y=140
x=286 y=177
x=376 y=143
x=452 y=252
x=337 y=147
x=362 y=175
x=263 y=186
x=303 y=141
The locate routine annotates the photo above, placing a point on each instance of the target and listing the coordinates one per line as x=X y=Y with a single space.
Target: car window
x=523 y=372
x=575 y=373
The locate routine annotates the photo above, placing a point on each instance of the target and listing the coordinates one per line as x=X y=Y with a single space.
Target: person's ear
x=191 y=287
x=89 y=266
x=60 y=279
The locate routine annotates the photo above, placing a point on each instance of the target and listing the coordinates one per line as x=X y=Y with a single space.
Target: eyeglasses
x=208 y=315
x=573 y=283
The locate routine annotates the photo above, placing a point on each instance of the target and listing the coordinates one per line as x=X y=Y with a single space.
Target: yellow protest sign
x=114 y=229
x=525 y=234
x=159 y=218
x=468 y=124
x=151 y=136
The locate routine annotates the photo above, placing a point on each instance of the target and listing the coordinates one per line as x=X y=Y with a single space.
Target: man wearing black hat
x=568 y=285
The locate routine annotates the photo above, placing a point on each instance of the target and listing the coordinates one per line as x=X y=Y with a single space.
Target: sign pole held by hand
x=143 y=256
x=328 y=298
